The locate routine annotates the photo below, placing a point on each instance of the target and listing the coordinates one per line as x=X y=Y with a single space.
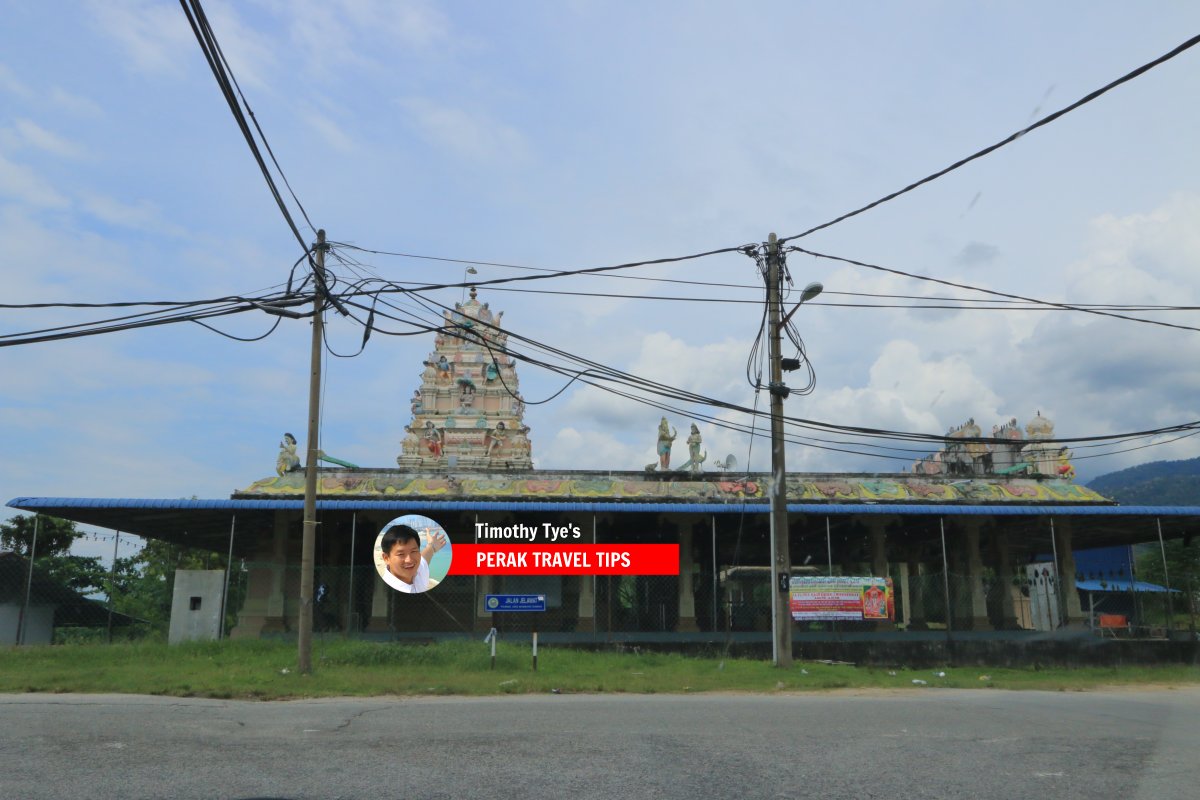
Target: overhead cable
x=1192 y=42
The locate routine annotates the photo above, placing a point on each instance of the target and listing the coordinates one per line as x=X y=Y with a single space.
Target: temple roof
x=675 y=487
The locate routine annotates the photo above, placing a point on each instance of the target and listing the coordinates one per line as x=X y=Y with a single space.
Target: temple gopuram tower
x=468 y=413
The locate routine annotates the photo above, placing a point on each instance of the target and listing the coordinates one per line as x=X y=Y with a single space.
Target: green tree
x=52 y=555
x=1183 y=563
x=54 y=536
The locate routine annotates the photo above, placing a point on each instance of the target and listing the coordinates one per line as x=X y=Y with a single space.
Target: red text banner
x=565 y=559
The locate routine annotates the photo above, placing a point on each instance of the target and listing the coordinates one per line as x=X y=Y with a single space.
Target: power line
x=968 y=287
x=1007 y=140
x=198 y=20
x=594 y=369
x=563 y=273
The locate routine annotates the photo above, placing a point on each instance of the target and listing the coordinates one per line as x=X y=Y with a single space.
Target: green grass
x=267 y=670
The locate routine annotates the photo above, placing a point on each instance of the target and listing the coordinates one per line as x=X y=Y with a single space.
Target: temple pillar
x=687 y=597
x=974 y=562
x=264 y=607
x=877 y=532
x=587 y=604
x=1071 y=610
x=1008 y=591
x=961 y=609
x=914 y=602
x=382 y=594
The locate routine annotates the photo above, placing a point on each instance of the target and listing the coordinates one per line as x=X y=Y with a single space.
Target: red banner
x=565 y=559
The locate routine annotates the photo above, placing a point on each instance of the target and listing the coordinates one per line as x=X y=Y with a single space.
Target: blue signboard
x=515 y=602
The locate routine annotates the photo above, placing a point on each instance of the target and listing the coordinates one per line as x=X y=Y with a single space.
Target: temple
x=970 y=537
x=467 y=414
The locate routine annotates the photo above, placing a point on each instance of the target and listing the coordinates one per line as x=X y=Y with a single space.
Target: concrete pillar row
x=1072 y=611
x=263 y=610
x=687 y=598
x=974 y=561
x=914 y=603
x=877 y=529
x=1009 y=592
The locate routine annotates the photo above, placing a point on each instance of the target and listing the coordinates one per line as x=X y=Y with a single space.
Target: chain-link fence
x=41 y=605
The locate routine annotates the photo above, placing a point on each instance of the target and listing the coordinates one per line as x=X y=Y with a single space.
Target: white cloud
x=333 y=134
x=1142 y=258
x=74 y=103
x=588 y=449
x=337 y=32
x=470 y=134
x=10 y=83
x=151 y=34
x=142 y=215
x=27 y=186
x=154 y=36
x=30 y=133
x=716 y=368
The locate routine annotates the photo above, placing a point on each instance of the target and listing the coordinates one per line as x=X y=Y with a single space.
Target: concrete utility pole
x=781 y=560
x=308 y=546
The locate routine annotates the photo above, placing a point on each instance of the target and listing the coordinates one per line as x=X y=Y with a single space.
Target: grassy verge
x=267 y=670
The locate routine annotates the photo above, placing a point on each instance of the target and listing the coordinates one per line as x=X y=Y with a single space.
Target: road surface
x=919 y=744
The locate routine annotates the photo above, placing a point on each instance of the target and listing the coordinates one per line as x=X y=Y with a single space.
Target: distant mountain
x=1159 y=483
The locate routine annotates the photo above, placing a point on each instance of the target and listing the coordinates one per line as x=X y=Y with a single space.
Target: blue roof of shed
x=1120 y=586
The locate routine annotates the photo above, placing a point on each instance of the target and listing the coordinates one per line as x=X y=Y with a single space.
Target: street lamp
x=810 y=291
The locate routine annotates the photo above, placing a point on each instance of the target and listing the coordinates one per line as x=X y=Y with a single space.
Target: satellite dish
x=729 y=463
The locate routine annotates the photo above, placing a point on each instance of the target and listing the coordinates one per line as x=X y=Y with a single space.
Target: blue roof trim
x=831 y=509
x=1121 y=586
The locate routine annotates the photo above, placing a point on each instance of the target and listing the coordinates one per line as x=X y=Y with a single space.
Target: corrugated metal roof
x=921 y=509
x=1121 y=586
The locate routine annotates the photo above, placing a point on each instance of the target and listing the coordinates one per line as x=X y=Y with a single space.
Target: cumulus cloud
x=571 y=448
x=29 y=133
x=74 y=103
x=10 y=83
x=976 y=254
x=473 y=135
x=142 y=215
x=152 y=35
x=25 y=185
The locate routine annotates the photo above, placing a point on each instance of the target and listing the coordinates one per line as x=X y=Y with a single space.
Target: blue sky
x=576 y=134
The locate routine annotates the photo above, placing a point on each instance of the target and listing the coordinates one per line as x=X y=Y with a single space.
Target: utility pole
x=112 y=582
x=781 y=560
x=308 y=546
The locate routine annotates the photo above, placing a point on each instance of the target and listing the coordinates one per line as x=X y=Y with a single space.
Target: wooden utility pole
x=308 y=545
x=781 y=560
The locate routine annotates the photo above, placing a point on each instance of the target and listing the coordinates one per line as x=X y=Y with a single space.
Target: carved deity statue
x=287 y=460
x=411 y=442
x=433 y=439
x=443 y=371
x=695 y=457
x=466 y=394
x=496 y=439
x=666 y=438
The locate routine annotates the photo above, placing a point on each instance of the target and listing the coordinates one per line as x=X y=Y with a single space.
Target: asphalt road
x=920 y=744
